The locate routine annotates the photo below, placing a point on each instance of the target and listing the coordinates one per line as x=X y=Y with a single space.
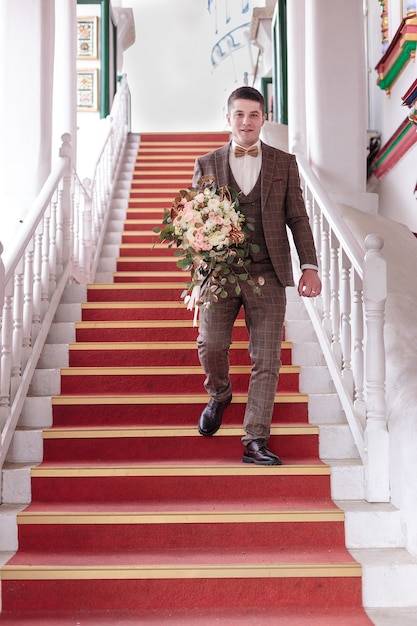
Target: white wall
x=173 y=84
x=168 y=68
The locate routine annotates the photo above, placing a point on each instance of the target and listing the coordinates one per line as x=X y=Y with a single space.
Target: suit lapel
x=222 y=165
x=267 y=172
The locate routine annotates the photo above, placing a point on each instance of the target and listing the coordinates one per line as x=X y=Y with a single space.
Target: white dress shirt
x=245 y=169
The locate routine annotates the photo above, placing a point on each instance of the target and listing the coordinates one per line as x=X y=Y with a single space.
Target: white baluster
x=37 y=283
x=45 y=267
x=325 y=278
x=3 y=414
x=28 y=286
x=52 y=246
x=17 y=329
x=334 y=300
x=86 y=221
x=59 y=236
x=66 y=204
x=345 y=327
x=376 y=431
x=6 y=353
x=358 y=358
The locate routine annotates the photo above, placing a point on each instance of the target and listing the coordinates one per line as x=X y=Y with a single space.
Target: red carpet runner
x=135 y=518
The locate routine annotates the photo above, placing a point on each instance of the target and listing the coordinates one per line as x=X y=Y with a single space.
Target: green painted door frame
x=107 y=28
x=280 y=69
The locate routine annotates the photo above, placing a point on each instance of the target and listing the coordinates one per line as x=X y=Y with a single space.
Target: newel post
x=2 y=280
x=377 y=487
x=64 y=246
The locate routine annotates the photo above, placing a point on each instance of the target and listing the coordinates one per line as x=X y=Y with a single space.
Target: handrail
x=59 y=243
x=349 y=322
x=348 y=241
x=12 y=256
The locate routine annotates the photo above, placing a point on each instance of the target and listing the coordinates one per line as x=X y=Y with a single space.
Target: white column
x=296 y=76
x=65 y=88
x=336 y=93
x=26 y=67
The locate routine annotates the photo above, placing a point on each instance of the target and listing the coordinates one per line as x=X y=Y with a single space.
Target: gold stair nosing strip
x=196 y=143
x=140 y=233
x=167 y=190
x=146 y=259
x=152 y=345
x=143 y=324
x=151 y=304
x=184 y=571
x=181 y=159
x=176 y=150
x=145 y=433
x=162 y=370
x=136 y=286
x=181 y=517
x=79 y=399
x=150 y=274
x=143 y=221
x=165 y=199
x=185 y=470
x=152 y=167
x=153 y=182
x=140 y=172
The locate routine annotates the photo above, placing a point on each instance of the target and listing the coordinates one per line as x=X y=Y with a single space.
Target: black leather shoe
x=211 y=418
x=258 y=452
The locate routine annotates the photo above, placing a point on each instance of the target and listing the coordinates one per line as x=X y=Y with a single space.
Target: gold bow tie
x=239 y=152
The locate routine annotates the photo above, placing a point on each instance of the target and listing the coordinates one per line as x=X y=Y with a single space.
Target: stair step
x=142 y=330
x=162 y=181
x=136 y=213
x=180 y=587
x=168 y=483
x=135 y=311
x=198 y=562
x=140 y=264
x=150 y=379
x=160 y=167
x=153 y=353
x=53 y=528
x=163 y=409
x=128 y=292
x=261 y=616
x=179 y=174
x=162 y=444
x=202 y=139
x=169 y=276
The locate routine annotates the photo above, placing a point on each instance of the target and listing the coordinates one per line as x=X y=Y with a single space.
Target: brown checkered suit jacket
x=282 y=205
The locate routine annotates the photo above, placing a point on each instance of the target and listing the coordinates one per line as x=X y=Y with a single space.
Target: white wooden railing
x=58 y=243
x=349 y=319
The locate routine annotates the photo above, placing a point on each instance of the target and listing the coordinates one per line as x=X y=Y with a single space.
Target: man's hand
x=309 y=284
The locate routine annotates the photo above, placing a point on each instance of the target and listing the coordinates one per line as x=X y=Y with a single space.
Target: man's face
x=246 y=119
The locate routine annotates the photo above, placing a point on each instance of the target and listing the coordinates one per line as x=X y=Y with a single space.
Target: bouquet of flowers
x=210 y=235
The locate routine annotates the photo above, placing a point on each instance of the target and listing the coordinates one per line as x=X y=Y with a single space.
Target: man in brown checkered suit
x=269 y=192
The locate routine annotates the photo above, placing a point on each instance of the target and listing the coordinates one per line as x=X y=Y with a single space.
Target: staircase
x=136 y=519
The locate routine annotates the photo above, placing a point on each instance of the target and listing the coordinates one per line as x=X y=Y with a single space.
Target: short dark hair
x=246 y=93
